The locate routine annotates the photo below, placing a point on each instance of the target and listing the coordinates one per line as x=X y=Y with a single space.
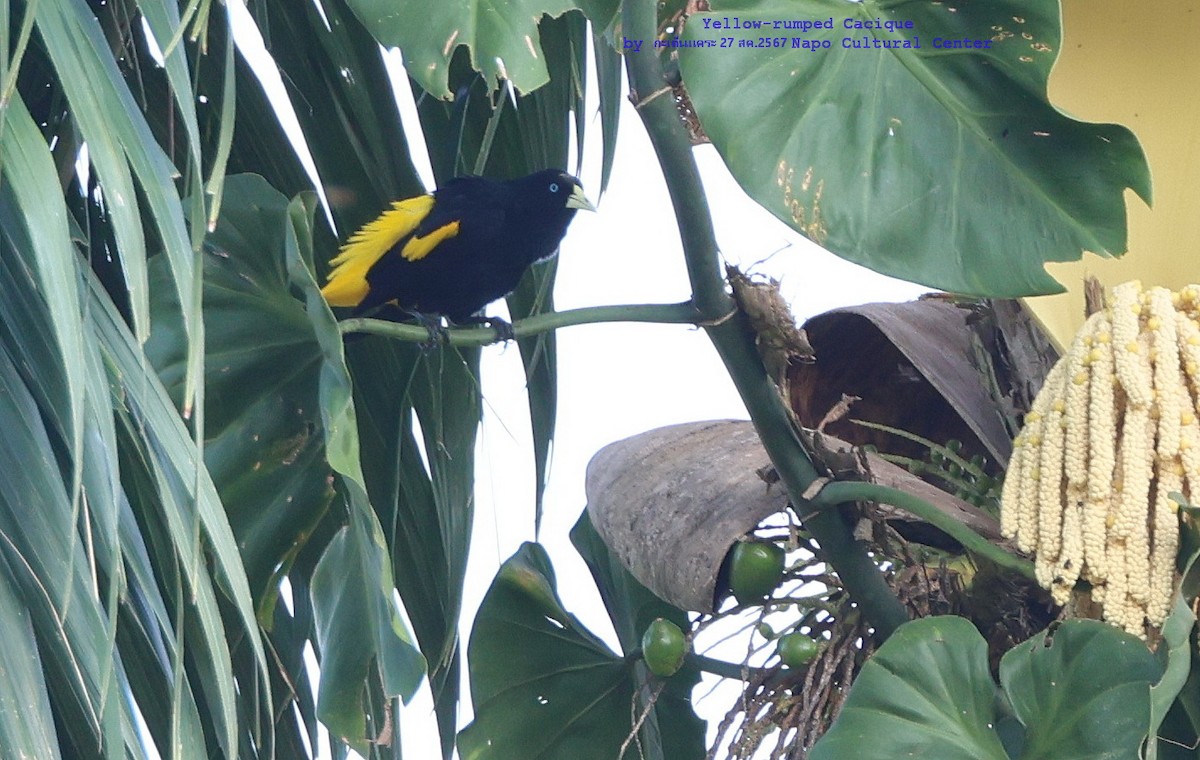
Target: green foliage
x=133 y=612
x=966 y=479
x=926 y=692
x=281 y=423
x=944 y=167
x=265 y=449
x=25 y=725
x=1176 y=650
x=502 y=37
x=672 y=729
x=343 y=98
x=1081 y=690
x=534 y=666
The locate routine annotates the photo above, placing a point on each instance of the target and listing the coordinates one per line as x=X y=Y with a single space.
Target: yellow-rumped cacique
x=453 y=252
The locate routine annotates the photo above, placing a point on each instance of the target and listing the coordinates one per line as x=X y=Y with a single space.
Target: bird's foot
x=439 y=334
x=503 y=328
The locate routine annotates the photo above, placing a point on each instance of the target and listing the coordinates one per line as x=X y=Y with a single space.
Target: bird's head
x=558 y=187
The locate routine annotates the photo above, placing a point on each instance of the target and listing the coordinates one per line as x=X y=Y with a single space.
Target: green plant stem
x=656 y=105
x=738 y=672
x=667 y=313
x=733 y=670
x=730 y=333
x=840 y=492
x=721 y=668
x=489 y=133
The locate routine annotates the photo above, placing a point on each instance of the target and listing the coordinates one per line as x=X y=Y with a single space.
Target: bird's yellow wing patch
x=419 y=247
x=347 y=282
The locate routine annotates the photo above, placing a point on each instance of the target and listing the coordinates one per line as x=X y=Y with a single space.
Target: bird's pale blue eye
x=554 y=187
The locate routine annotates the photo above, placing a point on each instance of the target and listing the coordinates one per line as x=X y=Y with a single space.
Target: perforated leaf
x=941 y=165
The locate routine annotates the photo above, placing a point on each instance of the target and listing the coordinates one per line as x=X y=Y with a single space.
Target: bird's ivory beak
x=578 y=200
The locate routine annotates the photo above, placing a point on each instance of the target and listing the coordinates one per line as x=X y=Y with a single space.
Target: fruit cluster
x=756 y=570
x=1111 y=442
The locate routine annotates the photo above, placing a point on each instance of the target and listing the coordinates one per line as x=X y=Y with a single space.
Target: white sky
x=615 y=380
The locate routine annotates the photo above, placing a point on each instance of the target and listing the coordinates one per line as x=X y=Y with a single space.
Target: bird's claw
x=439 y=334
x=504 y=329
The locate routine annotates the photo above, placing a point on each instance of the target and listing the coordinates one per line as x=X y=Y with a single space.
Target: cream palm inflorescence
x=1111 y=435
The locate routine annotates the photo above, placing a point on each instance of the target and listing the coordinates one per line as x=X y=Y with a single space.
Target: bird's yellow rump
x=347 y=285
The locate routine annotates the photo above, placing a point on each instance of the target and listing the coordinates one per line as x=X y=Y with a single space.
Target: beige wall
x=1136 y=64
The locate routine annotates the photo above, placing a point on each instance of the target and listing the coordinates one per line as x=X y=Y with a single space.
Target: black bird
x=453 y=252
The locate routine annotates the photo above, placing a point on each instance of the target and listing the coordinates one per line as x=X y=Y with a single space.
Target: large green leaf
x=948 y=167
x=336 y=79
x=27 y=167
x=1082 y=692
x=413 y=514
x=502 y=37
x=132 y=167
x=542 y=685
x=925 y=693
x=44 y=562
x=113 y=583
x=264 y=449
x=280 y=417
x=26 y=727
x=335 y=75
x=179 y=503
x=1176 y=653
x=672 y=731
x=354 y=575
